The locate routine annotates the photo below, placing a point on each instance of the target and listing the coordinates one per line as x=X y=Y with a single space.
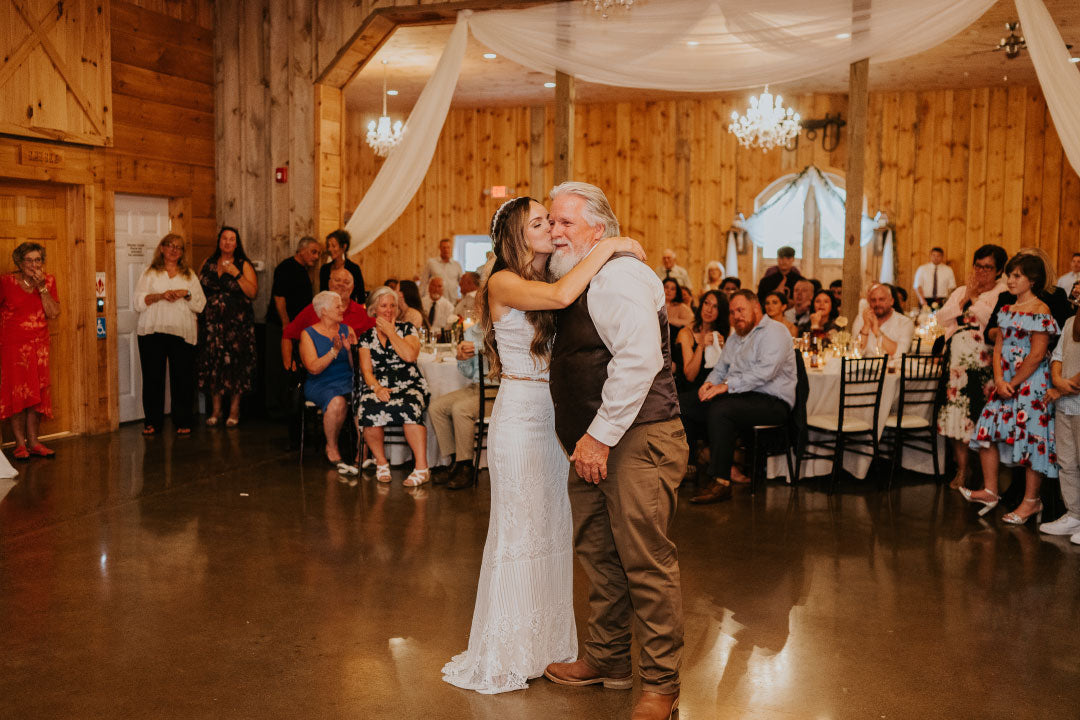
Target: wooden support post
x=858 y=99
x=537 y=127
x=564 y=127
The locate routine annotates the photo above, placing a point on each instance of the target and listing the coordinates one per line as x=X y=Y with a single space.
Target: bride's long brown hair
x=513 y=253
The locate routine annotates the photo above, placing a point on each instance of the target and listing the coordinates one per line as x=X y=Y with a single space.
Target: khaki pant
x=453 y=416
x=621 y=538
x=1067 y=439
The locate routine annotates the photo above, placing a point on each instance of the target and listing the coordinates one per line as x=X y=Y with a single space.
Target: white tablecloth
x=442 y=377
x=824 y=399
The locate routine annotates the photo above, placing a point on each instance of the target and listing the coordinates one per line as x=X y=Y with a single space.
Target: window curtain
x=1059 y=78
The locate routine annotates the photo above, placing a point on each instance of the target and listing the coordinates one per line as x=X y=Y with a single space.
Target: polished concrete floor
x=213 y=577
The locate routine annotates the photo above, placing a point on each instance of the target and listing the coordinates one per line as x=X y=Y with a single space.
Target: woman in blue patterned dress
x=1017 y=418
x=394 y=392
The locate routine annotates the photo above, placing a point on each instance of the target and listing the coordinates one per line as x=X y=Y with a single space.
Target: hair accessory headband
x=498 y=213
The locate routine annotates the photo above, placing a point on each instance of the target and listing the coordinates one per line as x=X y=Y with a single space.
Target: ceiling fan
x=1013 y=43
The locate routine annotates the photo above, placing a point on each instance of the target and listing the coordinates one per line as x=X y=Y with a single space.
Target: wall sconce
x=830 y=132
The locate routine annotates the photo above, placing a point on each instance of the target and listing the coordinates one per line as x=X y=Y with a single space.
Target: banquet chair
x=786 y=439
x=861 y=381
x=392 y=434
x=487 y=393
x=311 y=414
x=914 y=425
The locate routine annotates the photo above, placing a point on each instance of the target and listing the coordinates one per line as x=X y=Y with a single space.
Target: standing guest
x=410 y=305
x=437 y=309
x=444 y=267
x=802 y=302
x=1066 y=281
x=714 y=276
x=227 y=326
x=330 y=376
x=836 y=287
x=391 y=283
x=337 y=247
x=964 y=317
x=711 y=327
x=823 y=318
x=466 y=306
x=169 y=299
x=934 y=281
x=679 y=313
x=753 y=384
x=730 y=285
x=880 y=329
x=355 y=316
x=782 y=276
x=776 y=307
x=1017 y=418
x=28 y=300
x=669 y=270
x=291 y=289
x=1054 y=296
x=393 y=391
x=1065 y=394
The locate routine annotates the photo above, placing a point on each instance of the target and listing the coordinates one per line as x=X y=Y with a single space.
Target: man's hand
x=590 y=459
x=465 y=350
x=708 y=391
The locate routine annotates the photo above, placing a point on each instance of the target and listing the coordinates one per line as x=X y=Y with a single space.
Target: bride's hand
x=628 y=244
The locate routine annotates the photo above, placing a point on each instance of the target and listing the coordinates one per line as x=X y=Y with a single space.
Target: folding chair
x=915 y=423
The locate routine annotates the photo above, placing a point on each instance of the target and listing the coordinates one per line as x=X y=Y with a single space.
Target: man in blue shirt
x=752 y=384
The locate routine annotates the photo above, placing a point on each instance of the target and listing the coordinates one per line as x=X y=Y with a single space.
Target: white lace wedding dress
x=524 y=614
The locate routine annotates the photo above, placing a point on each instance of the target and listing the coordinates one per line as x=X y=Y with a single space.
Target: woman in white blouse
x=168 y=298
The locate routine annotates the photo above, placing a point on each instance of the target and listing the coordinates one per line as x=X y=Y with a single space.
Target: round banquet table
x=824 y=399
x=443 y=376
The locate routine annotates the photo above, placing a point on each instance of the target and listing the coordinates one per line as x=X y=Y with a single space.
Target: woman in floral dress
x=227 y=326
x=393 y=391
x=964 y=317
x=1017 y=418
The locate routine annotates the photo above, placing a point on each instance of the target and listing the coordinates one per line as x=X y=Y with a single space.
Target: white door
x=141 y=222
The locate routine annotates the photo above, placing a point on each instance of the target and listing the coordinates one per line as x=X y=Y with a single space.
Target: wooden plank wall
x=956 y=168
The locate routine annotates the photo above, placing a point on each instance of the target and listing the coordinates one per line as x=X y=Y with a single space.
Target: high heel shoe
x=1014 y=518
x=988 y=504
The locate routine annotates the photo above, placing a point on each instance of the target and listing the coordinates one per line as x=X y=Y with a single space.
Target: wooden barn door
x=35 y=212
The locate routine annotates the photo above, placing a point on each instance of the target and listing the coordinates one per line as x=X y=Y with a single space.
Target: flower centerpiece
x=840 y=337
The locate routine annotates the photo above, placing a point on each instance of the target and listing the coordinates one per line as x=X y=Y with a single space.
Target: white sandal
x=382 y=473
x=417 y=478
x=345 y=468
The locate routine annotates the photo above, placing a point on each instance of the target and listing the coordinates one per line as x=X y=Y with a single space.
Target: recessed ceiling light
x=843 y=36
x=549 y=84
x=692 y=43
x=391 y=92
x=490 y=56
x=1074 y=60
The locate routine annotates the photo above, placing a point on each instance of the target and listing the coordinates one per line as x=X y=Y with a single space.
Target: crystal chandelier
x=381 y=136
x=602 y=6
x=766 y=123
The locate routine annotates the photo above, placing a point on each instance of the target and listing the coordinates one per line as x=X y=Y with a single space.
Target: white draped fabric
x=731 y=259
x=1059 y=78
x=888 y=264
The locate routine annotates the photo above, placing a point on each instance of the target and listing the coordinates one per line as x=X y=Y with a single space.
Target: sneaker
x=1064 y=525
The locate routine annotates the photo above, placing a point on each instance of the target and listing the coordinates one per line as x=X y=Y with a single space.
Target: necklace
x=26 y=283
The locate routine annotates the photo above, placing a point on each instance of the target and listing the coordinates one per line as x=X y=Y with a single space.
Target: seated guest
x=1066 y=281
x=391 y=283
x=695 y=342
x=337 y=247
x=775 y=307
x=823 y=318
x=668 y=269
x=730 y=286
x=355 y=316
x=324 y=350
x=802 y=301
x=469 y=284
x=437 y=307
x=782 y=276
x=393 y=391
x=410 y=306
x=687 y=298
x=679 y=313
x=714 y=276
x=880 y=329
x=752 y=384
x=836 y=287
x=454 y=415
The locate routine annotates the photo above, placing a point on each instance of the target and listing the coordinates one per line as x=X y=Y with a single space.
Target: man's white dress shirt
x=449 y=271
x=924 y=280
x=899 y=328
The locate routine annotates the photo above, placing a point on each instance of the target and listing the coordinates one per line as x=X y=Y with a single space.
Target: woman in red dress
x=27 y=302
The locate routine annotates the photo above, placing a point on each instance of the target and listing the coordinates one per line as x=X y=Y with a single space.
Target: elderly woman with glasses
x=964 y=317
x=169 y=298
x=393 y=391
x=28 y=300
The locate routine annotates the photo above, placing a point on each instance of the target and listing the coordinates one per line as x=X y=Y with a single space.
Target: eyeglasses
x=33 y=260
x=173 y=246
x=984 y=266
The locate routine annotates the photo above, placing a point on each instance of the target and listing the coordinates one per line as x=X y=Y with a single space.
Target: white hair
x=304 y=242
x=376 y=295
x=597 y=209
x=321 y=302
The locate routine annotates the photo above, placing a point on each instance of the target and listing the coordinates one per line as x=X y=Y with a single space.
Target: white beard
x=564 y=260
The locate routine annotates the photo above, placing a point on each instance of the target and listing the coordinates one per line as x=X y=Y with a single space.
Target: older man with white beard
x=617 y=412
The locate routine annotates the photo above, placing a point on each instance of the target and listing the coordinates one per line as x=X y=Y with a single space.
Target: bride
x=524 y=614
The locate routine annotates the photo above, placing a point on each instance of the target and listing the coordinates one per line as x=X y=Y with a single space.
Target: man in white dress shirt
x=934 y=281
x=879 y=328
x=1066 y=281
x=437 y=309
x=668 y=269
x=470 y=282
x=445 y=267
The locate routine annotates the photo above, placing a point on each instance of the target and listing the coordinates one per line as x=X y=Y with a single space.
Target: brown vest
x=579 y=361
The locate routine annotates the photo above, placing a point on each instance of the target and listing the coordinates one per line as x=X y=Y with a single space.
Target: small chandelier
x=381 y=136
x=602 y=6
x=766 y=123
